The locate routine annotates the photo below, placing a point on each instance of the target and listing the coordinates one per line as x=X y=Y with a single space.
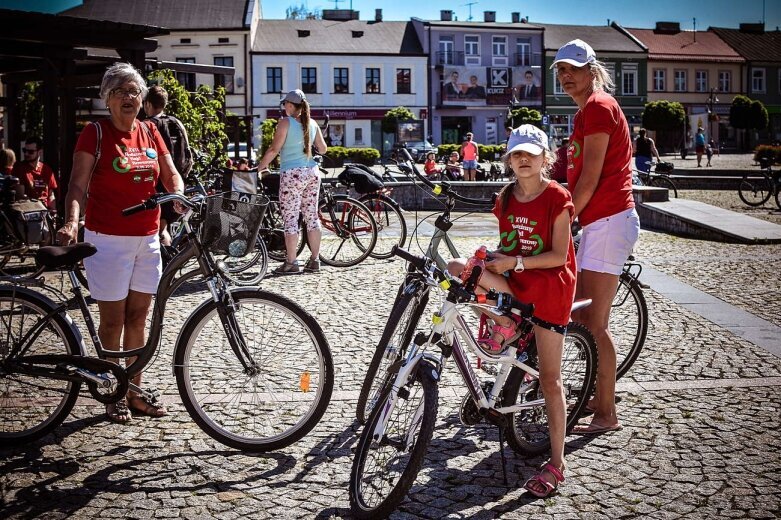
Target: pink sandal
x=540 y=487
x=487 y=342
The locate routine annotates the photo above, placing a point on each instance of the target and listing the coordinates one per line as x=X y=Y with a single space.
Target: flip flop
x=592 y=429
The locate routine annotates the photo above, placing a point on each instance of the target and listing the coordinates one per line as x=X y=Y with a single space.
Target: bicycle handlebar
x=444 y=187
x=161 y=198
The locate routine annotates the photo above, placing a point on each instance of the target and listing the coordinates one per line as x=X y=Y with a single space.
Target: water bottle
x=474 y=269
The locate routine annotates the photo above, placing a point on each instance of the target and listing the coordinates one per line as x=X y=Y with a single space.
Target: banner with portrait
x=491 y=86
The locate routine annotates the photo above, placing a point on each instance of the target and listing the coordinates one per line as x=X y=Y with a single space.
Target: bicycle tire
x=664 y=181
x=628 y=319
x=348 y=237
x=396 y=337
x=273 y=235
x=247 y=270
x=274 y=403
x=778 y=196
x=755 y=190
x=403 y=462
x=527 y=430
x=391 y=226
x=33 y=406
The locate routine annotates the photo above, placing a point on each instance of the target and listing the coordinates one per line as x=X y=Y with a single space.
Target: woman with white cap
x=599 y=175
x=299 y=183
x=536 y=263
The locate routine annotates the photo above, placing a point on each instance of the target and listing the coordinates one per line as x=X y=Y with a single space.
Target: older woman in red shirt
x=599 y=175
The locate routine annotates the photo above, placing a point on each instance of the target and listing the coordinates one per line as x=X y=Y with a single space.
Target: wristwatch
x=518 y=264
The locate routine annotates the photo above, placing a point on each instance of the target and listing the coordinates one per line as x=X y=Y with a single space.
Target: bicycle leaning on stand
x=253 y=369
x=756 y=188
x=659 y=178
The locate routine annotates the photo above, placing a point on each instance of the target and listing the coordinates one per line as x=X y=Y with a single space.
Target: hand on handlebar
x=500 y=263
x=68 y=234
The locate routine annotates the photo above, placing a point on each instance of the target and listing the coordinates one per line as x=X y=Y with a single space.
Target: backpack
x=29 y=218
x=360 y=179
x=175 y=137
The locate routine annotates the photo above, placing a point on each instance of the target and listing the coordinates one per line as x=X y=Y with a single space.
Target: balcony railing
x=450 y=58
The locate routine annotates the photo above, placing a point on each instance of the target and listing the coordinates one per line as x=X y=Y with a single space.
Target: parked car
x=419 y=149
x=242 y=152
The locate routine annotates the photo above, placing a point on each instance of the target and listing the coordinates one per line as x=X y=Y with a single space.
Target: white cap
x=294 y=96
x=527 y=138
x=576 y=52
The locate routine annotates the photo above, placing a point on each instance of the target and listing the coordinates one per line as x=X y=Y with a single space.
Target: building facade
x=352 y=70
x=477 y=70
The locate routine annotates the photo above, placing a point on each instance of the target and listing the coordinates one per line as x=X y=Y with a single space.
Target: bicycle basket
x=231 y=222
x=665 y=167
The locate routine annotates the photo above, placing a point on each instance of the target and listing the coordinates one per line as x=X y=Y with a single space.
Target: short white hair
x=119 y=74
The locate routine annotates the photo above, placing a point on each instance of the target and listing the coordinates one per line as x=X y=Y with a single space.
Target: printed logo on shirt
x=522 y=233
x=136 y=159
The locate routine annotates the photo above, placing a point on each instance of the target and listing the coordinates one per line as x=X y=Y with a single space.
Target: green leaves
x=664 y=115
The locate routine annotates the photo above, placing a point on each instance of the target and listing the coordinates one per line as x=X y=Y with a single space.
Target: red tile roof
x=683 y=46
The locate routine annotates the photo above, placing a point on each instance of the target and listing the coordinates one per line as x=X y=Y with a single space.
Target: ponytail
x=305 y=127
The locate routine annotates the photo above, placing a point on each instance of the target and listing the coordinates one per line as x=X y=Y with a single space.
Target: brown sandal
x=118 y=412
x=144 y=406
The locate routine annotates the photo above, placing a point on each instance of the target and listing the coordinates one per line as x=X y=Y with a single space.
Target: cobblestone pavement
x=701 y=441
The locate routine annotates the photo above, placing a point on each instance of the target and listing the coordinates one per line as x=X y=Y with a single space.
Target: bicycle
x=392 y=445
x=756 y=188
x=253 y=369
x=659 y=178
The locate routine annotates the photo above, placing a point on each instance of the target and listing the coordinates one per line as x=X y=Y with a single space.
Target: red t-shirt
x=613 y=194
x=526 y=229
x=125 y=175
x=38 y=181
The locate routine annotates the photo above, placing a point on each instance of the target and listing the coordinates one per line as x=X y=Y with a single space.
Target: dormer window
x=223 y=40
x=185 y=40
x=357 y=34
x=303 y=33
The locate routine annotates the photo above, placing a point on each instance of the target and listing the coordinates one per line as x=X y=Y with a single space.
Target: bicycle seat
x=60 y=256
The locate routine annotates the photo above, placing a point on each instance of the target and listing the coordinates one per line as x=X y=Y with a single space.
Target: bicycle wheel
x=32 y=406
x=348 y=234
x=527 y=432
x=778 y=196
x=396 y=337
x=280 y=397
x=391 y=226
x=664 y=181
x=628 y=322
x=384 y=469
x=273 y=234
x=248 y=269
x=756 y=188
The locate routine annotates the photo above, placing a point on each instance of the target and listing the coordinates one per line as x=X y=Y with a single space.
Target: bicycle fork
x=227 y=309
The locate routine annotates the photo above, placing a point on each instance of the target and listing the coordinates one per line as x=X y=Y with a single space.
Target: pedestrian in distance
x=299 y=183
x=599 y=176
x=469 y=152
x=535 y=263
x=116 y=165
x=644 y=150
x=7 y=161
x=36 y=178
x=709 y=148
x=699 y=145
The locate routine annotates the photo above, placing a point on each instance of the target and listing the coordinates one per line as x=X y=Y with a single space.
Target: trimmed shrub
x=767 y=152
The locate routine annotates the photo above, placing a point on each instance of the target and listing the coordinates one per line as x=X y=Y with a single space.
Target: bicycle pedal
x=489 y=368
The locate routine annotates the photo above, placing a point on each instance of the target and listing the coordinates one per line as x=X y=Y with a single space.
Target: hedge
x=337 y=155
x=486 y=152
x=768 y=152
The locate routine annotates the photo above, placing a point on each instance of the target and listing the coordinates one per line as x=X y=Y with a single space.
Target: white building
x=352 y=70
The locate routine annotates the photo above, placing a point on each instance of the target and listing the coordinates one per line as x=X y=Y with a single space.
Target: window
x=701 y=80
x=680 y=81
x=523 y=50
x=274 y=80
x=758 y=81
x=557 y=89
x=224 y=80
x=223 y=40
x=471 y=45
x=499 y=45
x=309 y=80
x=725 y=81
x=403 y=81
x=341 y=80
x=359 y=136
x=446 y=50
x=660 y=80
x=185 y=40
x=372 y=81
x=629 y=79
x=187 y=79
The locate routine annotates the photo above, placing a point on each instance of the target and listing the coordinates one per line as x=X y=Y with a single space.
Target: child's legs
x=549 y=350
x=488 y=281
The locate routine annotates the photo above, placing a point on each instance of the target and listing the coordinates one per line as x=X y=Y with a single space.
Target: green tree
x=202 y=113
x=392 y=117
x=301 y=12
x=747 y=114
x=667 y=119
x=31 y=109
x=267 y=129
x=524 y=116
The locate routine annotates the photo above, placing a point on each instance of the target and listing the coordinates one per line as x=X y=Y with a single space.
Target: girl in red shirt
x=536 y=250
x=430 y=166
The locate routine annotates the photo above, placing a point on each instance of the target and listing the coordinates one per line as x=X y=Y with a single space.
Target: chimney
x=667 y=27
x=489 y=16
x=752 y=28
x=378 y=15
x=446 y=16
x=516 y=17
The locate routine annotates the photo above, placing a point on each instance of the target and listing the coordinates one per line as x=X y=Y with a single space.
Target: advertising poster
x=491 y=86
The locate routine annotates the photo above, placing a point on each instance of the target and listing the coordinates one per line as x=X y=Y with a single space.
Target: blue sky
x=629 y=13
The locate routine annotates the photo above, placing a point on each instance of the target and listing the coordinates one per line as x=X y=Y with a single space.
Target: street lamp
x=711 y=115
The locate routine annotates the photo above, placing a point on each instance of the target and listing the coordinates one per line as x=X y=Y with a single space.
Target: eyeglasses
x=132 y=93
x=27 y=150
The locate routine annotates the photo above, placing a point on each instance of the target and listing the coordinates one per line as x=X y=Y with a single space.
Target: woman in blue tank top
x=299 y=183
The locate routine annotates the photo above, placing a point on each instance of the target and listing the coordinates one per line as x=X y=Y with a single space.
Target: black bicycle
x=253 y=369
x=756 y=188
x=659 y=178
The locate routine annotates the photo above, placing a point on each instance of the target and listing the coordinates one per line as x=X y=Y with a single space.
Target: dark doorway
x=454 y=129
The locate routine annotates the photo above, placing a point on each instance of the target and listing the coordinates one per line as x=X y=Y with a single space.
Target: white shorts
x=122 y=264
x=607 y=243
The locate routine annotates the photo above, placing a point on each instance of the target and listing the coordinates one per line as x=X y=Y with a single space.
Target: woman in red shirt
x=536 y=250
x=599 y=175
x=117 y=162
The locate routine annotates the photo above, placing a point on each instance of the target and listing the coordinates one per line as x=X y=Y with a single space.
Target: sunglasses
x=132 y=93
x=27 y=150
